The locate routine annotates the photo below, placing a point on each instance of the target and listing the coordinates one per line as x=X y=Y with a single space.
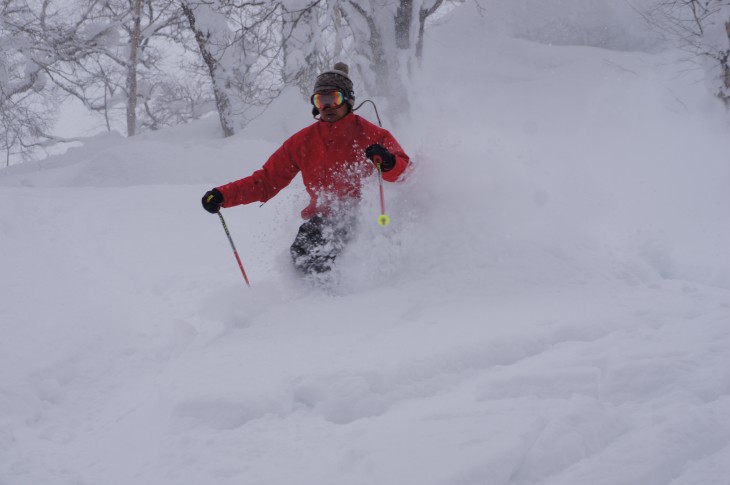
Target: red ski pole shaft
x=383 y=219
x=233 y=246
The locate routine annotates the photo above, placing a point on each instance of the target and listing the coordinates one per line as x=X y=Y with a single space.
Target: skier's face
x=332 y=114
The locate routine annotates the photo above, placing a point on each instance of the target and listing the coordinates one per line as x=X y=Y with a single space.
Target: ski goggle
x=328 y=98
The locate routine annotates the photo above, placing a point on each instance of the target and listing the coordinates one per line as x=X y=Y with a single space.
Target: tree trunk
x=424 y=14
x=726 y=70
x=222 y=101
x=134 y=43
x=403 y=20
x=338 y=32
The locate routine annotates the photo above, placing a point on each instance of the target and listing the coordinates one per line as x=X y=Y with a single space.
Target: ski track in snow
x=550 y=306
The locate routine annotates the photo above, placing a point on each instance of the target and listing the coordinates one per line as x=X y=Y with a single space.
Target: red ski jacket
x=331 y=157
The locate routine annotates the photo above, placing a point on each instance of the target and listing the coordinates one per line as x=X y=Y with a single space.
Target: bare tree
x=702 y=27
x=135 y=40
x=176 y=101
x=26 y=117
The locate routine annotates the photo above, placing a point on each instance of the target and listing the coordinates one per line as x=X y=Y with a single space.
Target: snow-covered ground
x=550 y=305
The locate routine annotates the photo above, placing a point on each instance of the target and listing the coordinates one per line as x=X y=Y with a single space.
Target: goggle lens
x=330 y=98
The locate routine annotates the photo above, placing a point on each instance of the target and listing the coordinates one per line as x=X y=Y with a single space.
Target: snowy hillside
x=550 y=305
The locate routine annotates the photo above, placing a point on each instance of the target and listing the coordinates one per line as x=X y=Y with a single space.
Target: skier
x=332 y=155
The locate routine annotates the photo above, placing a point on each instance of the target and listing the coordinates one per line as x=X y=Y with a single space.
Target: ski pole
x=233 y=246
x=383 y=218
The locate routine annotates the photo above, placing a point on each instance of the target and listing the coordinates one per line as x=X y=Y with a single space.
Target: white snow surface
x=550 y=304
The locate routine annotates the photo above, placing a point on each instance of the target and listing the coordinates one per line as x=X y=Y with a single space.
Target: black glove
x=387 y=159
x=212 y=201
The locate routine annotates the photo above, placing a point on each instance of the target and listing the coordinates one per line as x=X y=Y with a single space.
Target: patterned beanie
x=336 y=79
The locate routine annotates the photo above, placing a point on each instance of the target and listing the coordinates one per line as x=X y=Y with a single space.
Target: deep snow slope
x=549 y=306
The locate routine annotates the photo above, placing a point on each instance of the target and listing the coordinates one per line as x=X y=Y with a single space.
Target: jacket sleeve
x=402 y=162
x=278 y=172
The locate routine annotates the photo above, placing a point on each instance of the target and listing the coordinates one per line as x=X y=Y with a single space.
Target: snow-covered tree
x=382 y=41
x=127 y=59
x=34 y=38
x=240 y=45
x=311 y=41
x=133 y=57
x=388 y=40
x=102 y=52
